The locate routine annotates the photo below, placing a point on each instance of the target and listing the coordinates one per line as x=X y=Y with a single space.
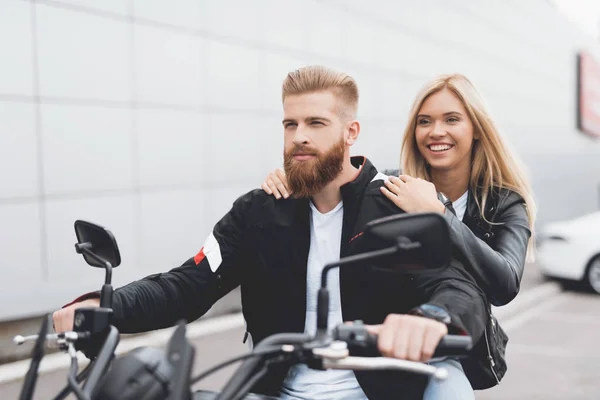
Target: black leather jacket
x=262 y=244
x=494 y=253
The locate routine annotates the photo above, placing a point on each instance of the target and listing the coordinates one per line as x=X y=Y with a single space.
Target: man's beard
x=306 y=178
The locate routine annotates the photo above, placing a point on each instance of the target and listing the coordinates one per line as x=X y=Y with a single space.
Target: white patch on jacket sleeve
x=212 y=250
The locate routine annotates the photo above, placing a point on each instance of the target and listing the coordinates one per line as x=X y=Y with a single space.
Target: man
x=276 y=249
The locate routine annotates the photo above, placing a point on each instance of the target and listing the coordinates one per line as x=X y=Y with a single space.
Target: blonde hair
x=316 y=78
x=493 y=165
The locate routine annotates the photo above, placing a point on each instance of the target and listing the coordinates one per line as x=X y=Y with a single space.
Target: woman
x=452 y=146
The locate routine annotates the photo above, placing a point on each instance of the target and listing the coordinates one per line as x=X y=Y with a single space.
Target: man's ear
x=353 y=132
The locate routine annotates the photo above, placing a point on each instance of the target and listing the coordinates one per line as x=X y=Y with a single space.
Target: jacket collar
x=352 y=195
x=359 y=184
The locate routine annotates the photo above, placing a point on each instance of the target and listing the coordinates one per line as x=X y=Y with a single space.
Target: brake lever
x=336 y=350
x=61 y=339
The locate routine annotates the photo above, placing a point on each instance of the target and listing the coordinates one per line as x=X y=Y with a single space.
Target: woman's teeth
x=440 y=147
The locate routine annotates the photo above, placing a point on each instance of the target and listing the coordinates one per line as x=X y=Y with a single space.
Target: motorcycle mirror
x=99 y=249
x=398 y=243
x=97 y=245
x=423 y=241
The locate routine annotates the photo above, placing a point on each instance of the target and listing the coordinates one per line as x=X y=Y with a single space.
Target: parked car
x=570 y=250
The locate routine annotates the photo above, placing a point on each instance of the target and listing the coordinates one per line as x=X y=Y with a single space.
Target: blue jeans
x=455 y=387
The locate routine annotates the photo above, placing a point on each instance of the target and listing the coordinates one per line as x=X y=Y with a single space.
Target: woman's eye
x=423 y=122
x=453 y=119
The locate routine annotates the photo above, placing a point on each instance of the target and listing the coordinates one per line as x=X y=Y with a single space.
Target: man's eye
x=289 y=125
x=317 y=123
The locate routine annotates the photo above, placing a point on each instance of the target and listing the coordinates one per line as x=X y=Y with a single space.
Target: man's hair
x=317 y=78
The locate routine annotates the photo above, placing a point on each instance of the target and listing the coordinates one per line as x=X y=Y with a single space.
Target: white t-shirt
x=460 y=205
x=301 y=381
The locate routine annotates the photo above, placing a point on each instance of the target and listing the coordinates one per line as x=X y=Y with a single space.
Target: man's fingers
x=55 y=321
x=67 y=319
x=61 y=320
x=401 y=340
x=374 y=329
x=431 y=339
x=415 y=342
x=408 y=337
x=393 y=338
x=385 y=340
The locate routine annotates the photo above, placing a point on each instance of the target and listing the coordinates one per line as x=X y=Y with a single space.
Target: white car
x=570 y=250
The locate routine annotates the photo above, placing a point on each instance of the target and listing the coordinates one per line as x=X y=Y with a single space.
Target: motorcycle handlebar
x=454 y=346
x=325 y=350
x=357 y=335
x=332 y=357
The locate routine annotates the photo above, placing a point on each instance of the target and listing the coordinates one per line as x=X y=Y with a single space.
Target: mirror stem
x=108 y=275
x=323 y=295
x=106 y=294
x=85 y=249
x=372 y=255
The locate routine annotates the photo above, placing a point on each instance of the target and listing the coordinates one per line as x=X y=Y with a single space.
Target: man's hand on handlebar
x=63 y=318
x=408 y=337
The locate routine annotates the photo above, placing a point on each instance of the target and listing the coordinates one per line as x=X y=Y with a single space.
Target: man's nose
x=300 y=138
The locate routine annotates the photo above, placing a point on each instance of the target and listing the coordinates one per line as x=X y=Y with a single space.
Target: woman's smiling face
x=444 y=132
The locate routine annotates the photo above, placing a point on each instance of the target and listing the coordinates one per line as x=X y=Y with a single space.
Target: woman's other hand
x=412 y=194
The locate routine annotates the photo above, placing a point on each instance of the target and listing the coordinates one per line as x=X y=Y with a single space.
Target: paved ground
x=553 y=352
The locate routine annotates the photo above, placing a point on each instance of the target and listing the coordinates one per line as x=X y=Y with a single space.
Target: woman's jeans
x=455 y=387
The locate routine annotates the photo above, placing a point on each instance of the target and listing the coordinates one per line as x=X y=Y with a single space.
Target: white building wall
x=150 y=117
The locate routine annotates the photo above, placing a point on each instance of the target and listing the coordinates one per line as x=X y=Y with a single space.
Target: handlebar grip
x=356 y=334
x=453 y=345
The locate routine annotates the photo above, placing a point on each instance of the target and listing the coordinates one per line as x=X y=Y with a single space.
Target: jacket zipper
x=490 y=358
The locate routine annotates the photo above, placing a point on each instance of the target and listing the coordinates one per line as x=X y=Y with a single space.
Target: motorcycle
x=397 y=244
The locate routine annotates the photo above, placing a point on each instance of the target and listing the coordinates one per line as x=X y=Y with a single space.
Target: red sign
x=588 y=99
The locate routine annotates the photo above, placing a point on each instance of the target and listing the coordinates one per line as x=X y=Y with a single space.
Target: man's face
x=315 y=141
